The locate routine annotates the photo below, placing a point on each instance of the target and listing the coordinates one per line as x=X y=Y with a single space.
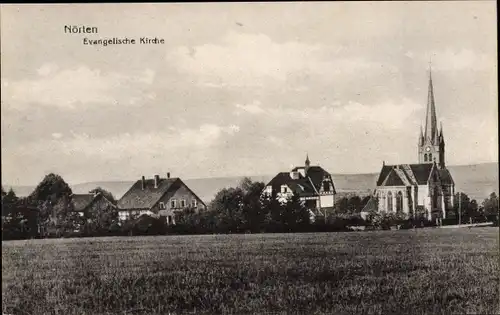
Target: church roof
x=446 y=177
x=408 y=174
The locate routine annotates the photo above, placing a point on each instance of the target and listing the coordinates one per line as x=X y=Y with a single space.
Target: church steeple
x=431 y=141
x=430 y=118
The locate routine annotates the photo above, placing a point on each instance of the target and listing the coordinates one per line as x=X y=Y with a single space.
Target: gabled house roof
x=81 y=202
x=410 y=174
x=302 y=185
x=316 y=174
x=138 y=197
x=308 y=185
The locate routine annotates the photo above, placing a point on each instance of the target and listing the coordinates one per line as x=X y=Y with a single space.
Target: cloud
x=255 y=60
x=252 y=108
x=125 y=145
x=389 y=114
x=452 y=60
x=80 y=86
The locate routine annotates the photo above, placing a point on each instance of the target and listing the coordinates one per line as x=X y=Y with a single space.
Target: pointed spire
x=441 y=137
x=421 y=138
x=430 y=118
x=307 y=164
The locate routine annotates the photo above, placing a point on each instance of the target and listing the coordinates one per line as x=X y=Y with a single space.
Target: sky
x=242 y=88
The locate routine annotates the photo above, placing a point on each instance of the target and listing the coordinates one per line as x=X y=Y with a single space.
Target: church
x=426 y=188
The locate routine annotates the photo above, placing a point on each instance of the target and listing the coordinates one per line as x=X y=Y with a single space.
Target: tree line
x=47 y=212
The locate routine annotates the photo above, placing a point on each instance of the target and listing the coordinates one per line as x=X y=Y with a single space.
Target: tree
x=465 y=208
x=491 y=207
x=295 y=215
x=51 y=188
x=254 y=214
x=272 y=210
x=105 y=193
x=228 y=208
x=10 y=197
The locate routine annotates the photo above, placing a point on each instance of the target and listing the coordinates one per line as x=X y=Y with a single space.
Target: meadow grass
x=427 y=271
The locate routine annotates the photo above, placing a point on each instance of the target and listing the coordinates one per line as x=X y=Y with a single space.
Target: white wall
x=124 y=215
x=326 y=201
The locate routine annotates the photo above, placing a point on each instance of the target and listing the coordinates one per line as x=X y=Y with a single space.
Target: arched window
x=399 y=202
x=425 y=157
x=389 y=201
x=430 y=157
x=435 y=198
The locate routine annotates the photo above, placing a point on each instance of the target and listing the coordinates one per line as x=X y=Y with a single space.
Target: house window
x=326 y=186
x=173 y=203
x=162 y=206
x=194 y=203
x=284 y=189
x=183 y=203
x=169 y=219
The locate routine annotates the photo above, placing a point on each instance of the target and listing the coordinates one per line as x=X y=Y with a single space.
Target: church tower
x=431 y=141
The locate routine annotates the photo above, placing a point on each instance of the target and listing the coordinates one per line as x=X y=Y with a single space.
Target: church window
x=430 y=157
x=389 y=201
x=425 y=157
x=435 y=197
x=399 y=202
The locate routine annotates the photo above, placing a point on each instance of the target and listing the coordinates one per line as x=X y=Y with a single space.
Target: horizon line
x=232 y=176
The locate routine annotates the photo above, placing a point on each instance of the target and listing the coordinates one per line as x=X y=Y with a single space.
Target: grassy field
x=431 y=271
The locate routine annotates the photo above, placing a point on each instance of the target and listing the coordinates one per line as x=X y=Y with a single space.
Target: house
x=86 y=204
x=158 y=197
x=425 y=188
x=312 y=184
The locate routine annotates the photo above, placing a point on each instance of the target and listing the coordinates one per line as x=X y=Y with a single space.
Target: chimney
x=157 y=180
x=143 y=182
x=168 y=175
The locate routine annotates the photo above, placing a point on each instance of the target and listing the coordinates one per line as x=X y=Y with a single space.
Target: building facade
x=426 y=188
x=312 y=184
x=158 y=197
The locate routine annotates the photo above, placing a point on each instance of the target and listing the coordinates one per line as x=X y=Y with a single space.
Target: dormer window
x=162 y=206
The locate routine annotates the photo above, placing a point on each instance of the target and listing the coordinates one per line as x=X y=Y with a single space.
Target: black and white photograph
x=335 y=157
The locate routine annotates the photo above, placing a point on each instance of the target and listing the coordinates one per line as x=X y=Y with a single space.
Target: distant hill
x=477 y=181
